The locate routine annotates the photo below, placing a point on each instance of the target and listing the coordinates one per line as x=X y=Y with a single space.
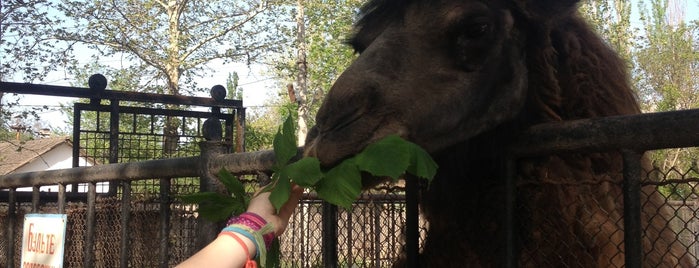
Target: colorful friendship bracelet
x=250 y=263
x=244 y=231
x=256 y=223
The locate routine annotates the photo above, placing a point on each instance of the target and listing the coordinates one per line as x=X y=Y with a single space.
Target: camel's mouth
x=347 y=139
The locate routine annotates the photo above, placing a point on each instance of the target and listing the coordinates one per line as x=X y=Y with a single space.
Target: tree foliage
x=20 y=50
x=668 y=77
x=664 y=63
x=171 y=41
x=328 y=25
x=668 y=62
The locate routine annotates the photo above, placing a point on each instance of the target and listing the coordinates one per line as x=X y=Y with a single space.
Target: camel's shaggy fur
x=570 y=208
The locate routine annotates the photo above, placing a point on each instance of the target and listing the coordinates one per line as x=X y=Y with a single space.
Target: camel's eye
x=472 y=34
x=476 y=30
x=470 y=41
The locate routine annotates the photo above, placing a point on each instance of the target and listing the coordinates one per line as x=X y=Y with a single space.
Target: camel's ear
x=547 y=9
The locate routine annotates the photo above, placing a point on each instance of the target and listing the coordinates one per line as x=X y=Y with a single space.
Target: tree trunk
x=302 y=75
x=173 y=72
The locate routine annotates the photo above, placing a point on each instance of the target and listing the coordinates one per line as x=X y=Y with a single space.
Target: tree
x=612 y=20
x=18 y=46
x=173 y=38
x=667 y=60
x=300 y=95
x=668 y=77
x=234 y=91
x=20 y=20
x=319 y=57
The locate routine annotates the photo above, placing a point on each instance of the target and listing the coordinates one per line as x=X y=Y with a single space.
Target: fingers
x=288 y=208
x=261 y=205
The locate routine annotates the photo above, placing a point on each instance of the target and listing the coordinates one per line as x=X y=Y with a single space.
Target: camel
x=462 y=78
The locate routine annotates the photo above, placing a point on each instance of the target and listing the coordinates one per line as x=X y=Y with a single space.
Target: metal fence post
x=165 y=222
x=329 y=220
x=10 y=228
x=632 y=209
x=213 y=146
x=510 y=174
x=412 y=216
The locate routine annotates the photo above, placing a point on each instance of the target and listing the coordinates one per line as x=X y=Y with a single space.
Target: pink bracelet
x=255 y=222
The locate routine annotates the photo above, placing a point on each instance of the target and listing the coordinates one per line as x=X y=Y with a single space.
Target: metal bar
x=639 y=132
x=114 y=131
x=61 y=198
x=305 y=235
x=349 y=243
x=412 y=214
x=10 y=228
x=632 y=209
x=511 y=253
x=164 y=223
x=113 y=138
x=329 y=222
x=35 y=199
x=89 y=247
x=173 y=167
x=125 y=252
x=151 y=111
x=247 y=162
x=377 y=235
x=26 y=197
x=77 y=112
x=76 y=92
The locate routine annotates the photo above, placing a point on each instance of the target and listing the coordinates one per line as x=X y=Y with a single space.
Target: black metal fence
x=139 y=222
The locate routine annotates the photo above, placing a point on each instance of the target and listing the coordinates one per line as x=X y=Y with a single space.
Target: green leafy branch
x=216 y=206
x=341 y=185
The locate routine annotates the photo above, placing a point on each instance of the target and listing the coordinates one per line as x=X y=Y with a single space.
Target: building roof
x=14 y=154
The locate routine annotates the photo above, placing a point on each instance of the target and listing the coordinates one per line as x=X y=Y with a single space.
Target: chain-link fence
x=371 y=234
x=590 y=213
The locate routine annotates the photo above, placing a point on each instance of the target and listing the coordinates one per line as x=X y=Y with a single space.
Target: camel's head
x=434 y=72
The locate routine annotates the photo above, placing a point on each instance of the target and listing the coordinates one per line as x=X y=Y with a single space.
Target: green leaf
x=214 y=206
x=196 y=198
x=421 y=164
x=341 y=185
x=282 y=190
x=305 y=172
x=233 y=185
x=285 y=146
x=219 y=211
x=389 y=156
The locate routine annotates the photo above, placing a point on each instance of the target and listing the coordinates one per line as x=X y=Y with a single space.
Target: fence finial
x=218 y=92
x=97 y=82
